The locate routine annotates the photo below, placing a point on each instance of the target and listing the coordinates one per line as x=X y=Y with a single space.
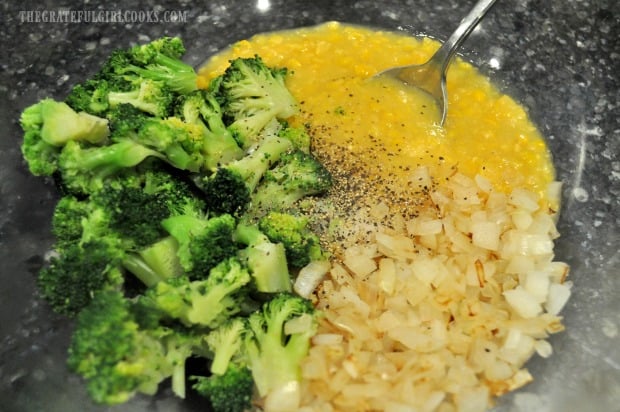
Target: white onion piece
x=310 y=276
x=558 y=296
x=526 y=305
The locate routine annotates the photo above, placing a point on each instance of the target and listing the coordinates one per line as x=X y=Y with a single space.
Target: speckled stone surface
x=560 y=58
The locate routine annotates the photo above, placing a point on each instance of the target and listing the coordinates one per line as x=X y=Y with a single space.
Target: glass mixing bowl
x=558 y=58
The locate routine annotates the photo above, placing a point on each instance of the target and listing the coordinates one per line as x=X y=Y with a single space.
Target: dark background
x=560 y=58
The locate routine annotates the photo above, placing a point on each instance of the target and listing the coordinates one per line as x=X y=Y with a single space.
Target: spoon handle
x=446 y=52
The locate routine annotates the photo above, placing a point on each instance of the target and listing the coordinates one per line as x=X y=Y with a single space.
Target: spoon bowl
x=430 y=77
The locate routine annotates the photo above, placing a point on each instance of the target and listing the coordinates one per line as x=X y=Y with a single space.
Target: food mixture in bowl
x=442 y=283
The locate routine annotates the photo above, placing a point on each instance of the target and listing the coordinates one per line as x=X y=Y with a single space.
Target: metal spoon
x=431 y=76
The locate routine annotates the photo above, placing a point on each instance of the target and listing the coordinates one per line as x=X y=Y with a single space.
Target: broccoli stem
x=60 y=124
x=110 y=159
x=141 y=270
x=178 y=380
x=155 y=263
x=266 y=260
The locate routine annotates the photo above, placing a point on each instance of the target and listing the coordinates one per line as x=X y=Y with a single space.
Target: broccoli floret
x=133 y=206
x=155 y=263
x=81 y=221
x=295 y=176
x=81 y=270
x=91 y=96
x=41 y=157
x=301 y=244
x=229 y=189
x=136 y=209
x=132 y=213
x=149 y=77
x=57 y=123
x=226 y=344
x=85 y=169
x=159 y=60
x=180 y=344
x=171 y=47
x=149 y=96
x=230 y=386
x=251 y=95
x=118 y=358
x=117 y=226
x=67 y=219
x=208 y=302
x=131 y=209
x=179 y=143
x=297 y=135
x=180 y=194
x=203 y=242
x=274 y=351
x=99 y=96
x=229 y=392
x=266 y=260
x=202 y=109
x=48 y=125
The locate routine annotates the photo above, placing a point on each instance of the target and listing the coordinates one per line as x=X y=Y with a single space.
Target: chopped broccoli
x=148 y=76
x=85 y=169
x=73 y=277
x=131 y=210
x=180 y=194
x=297 y=135
x=91 y=96
x=226 y=343
x=160 y=60
x=149 y=96
x=266 y=260
x=203 y=242
x=160 y=250
x=229 y=189
x=251 y=95
x=208 y=302
x=132 y=213
x=136 y=212
x=179 y=143
x=99 y=96
x=133 y=206
x=202 y=109
x=301 y=243
x=57 y=123
x=48 y=125
x=229 y=392
x=230 y=386
x=155 y=263
x=274 y=349
x=67 y=219
x=180 y=344
x=118 y=358
x=295 y=176
x=41 y=157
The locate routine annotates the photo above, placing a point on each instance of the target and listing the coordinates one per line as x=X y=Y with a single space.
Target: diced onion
x=310 y=277
x=558 y=296
x=441 y=311
x=526 y=305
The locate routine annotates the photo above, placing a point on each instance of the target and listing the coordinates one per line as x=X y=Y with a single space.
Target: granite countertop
x=560 y=58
